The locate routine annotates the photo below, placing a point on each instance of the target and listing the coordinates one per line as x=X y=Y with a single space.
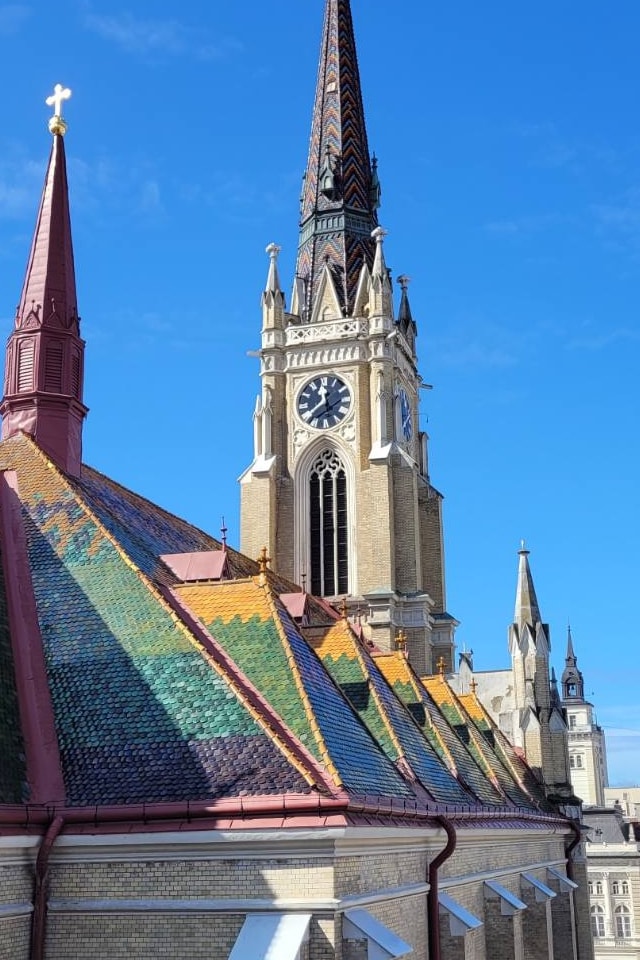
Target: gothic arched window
x=328 y=526
x=597 y=921
x=623 y=923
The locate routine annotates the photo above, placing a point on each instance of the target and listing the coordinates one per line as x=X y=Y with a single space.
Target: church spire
x=44 y=358
x=527 y=609
x=572 y=679
x=341 y=191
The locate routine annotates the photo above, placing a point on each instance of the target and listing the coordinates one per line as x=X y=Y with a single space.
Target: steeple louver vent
x=53 y=368
x=25 y=366
x=75 y=376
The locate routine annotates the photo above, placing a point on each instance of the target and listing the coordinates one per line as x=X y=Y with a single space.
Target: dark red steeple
x=341 y=192
x=45 y=354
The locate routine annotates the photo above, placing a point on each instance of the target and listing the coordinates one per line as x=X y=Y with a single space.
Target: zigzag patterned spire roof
x=341 y=191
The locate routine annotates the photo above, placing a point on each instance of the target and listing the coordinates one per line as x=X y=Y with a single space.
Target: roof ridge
x=402 y=755
x=504 y=758
x=418 y=689
x=473 y=736
x=159 y=596
x=262 y=582
x=239 y=680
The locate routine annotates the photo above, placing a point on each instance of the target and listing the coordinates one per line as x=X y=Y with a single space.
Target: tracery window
x=328 y=526
x=623 y=922
x=597 y=921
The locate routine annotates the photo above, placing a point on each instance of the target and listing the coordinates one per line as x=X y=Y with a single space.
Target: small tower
x=587 y=746
x=45 y=354
x=339 y=488
x=538 y=725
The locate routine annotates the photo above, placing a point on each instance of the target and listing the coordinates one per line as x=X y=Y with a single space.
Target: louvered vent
x=25 y=367
x=53 y=368
x=75 y=376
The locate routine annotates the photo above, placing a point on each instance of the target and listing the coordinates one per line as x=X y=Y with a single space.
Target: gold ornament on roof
x=441 y=665
x=401 y=641
x=57 y=125
x=264 y=560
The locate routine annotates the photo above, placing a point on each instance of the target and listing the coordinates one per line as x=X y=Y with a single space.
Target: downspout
x=41 y=888
x=433 y=907
x=575 y=829
x=577 y=837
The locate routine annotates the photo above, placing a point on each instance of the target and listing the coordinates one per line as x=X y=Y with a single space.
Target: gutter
x=433 y=907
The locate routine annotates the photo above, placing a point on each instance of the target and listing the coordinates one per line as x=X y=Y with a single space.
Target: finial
x=523 y=548
x=303 y=578
x=223 y=531
x=404 y=282
x=58 y=126
x=441 y=665
x=401 y=641
x=379 y=234
x=264 y=560
x=273 y=250
x=474 y=686
x=344 y=610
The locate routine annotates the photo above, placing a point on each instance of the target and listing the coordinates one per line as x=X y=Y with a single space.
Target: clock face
x=406 y=417
x=324 y=402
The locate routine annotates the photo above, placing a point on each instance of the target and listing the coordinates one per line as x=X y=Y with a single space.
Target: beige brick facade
x=179 y=897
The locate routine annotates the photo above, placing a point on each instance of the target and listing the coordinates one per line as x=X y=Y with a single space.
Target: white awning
x=565 y=883
x=383 y=943
x=271 y=936
x=509 y=903
x=542 y=891
x=461 y=921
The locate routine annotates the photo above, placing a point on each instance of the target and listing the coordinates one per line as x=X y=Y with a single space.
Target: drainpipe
x=433 y=907
x=39 y=919
x=577 y=837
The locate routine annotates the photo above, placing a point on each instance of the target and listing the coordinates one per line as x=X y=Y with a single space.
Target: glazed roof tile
x=279 y=662
x=127 y=679
x=436 y=728
x=363 y=684
x=480 y=747
x=520 y=771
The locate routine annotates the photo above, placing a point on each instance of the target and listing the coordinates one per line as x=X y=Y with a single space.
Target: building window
x=572 y=762
x=625 y=888
x=599 y=888
x=328 y=526
x=573 y=720
x=597 y=921
x=623 y=923
x=590 y=888
x=578 y=761
x=615 y=888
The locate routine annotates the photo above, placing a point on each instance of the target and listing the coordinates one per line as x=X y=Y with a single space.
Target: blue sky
x=509 y=155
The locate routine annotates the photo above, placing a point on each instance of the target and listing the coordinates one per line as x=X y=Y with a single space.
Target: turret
x=44 y=367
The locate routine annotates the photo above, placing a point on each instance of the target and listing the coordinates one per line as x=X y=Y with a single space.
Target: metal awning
x=542 y=891
x=383 y=943
x=565 y=882
x=271 y=936
x=461 y=921
x=509 y=903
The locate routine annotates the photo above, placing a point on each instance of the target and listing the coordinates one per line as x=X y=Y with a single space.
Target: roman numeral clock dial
x=324 y=402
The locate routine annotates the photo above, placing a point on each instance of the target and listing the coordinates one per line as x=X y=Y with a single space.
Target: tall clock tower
x=339 y=489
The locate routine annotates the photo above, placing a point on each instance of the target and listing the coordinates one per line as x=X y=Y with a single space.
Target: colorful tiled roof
x=362 y=683
x=489 y=761
x=435 y=727
x=259 y=634
x=141 y=713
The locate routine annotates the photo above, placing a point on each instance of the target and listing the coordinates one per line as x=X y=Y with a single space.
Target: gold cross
x=344 y=610
x=56 y=124
x=441 y=665
x=401 y=641
x=264 y=560
x=474 y=686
